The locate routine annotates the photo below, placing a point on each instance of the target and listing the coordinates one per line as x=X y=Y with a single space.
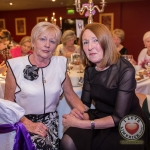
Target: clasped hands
x=72 y=119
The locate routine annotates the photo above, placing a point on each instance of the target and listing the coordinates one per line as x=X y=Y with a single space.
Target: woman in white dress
x=67 y=47
x=36 y=82
x=144 y=56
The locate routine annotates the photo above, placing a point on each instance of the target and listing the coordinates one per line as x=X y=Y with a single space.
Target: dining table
x=143 y=87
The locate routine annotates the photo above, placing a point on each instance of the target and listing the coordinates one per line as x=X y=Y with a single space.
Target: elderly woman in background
x=67 y=47
x=5 y=39
x=144 y=56
x=36 y=82
x=23 y=49
x=118 y=36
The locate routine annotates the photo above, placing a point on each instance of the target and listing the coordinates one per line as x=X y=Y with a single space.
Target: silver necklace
x=99 y=69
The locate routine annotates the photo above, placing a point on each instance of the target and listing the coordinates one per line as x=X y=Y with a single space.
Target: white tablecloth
x=143 y=87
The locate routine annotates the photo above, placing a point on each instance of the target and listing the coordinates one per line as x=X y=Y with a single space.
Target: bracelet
x=92 y=125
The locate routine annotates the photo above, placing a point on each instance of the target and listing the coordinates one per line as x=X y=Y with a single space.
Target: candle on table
x=60 y=22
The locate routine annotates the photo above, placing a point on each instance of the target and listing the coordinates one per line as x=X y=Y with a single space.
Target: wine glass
x=69 y=66
x=129 y=58
x=147 y=66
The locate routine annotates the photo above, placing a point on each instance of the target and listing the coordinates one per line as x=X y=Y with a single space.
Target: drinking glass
x=69 y=66
x=128 y=57
x=147 y=66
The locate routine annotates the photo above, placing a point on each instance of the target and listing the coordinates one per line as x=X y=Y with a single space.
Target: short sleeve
x=16 y=69
x=62 y=61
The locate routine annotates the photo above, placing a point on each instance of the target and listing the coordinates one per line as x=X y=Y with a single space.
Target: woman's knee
x=67 y=143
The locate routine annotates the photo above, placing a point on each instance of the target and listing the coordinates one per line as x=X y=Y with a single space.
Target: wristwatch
x=92 y=125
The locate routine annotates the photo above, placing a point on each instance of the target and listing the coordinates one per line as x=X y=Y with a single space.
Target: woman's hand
x=36 y=128
x=70 y=121
x=3 y=67
x=77 y=113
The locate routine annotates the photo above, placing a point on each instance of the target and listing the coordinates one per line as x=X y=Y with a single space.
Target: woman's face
x=117 y=40
x=3 y=45
x=91 y=47
x=147 y=43
x=26 y=47
x=70 y=42
x=45 y=45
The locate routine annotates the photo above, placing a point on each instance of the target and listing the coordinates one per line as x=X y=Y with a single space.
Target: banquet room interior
x=129 y=15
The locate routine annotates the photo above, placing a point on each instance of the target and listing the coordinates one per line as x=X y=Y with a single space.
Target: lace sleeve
x=125 y=95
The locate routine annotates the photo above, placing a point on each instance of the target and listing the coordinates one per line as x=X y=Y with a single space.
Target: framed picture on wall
x=20 y=25
x=107 y=19
x=70 y=24
x=40 y=19
x=2 y=23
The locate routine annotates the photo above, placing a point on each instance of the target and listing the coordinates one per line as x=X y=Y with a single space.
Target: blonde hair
x=41 y=27
x=146 y=35
x=25 y=39
x=67 y=35
x=5 y=35
x=119 y=33
x=104 y=36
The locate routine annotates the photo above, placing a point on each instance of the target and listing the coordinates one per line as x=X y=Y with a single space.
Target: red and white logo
x=131 y=127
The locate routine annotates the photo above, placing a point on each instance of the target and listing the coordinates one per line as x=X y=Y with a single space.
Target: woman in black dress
x=109 y=81
x=118 y=36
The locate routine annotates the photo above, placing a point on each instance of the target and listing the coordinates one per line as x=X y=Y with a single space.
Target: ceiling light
x=53 y=0
x=10 y=3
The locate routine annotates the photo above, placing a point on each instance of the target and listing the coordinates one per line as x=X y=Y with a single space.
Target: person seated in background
x=5 y=39
x=24 y=48
x=118 y=37
x=13 y=44
x=109 y=80
x=144 y=103
x=36 y=84
x=144 y=56
x=67 y=47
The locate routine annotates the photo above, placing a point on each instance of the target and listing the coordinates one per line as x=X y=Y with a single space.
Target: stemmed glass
x=147 y=66
x=69 y=66
x=129 y=58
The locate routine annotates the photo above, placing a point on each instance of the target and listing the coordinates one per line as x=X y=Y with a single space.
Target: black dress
x=123 y=51
x=113 y=91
